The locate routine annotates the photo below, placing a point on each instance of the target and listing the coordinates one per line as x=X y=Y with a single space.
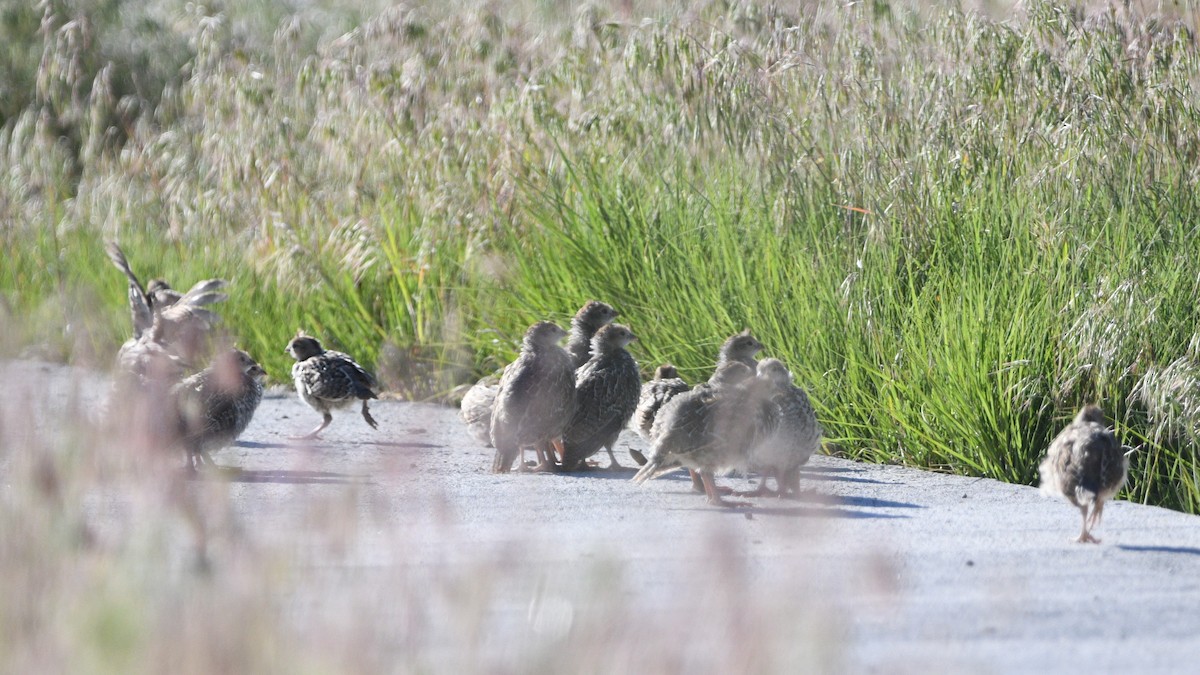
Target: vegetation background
x=956 y=224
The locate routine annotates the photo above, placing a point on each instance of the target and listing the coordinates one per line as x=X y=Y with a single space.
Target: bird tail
x=653 y=469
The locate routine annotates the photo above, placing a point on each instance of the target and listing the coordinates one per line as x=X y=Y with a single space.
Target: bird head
x=304 y=347
x=593 y=315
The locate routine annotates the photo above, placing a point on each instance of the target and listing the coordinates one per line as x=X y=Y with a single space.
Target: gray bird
x=535 y=400
x=590 y=318
x=797 y=436
x=606 y=394
x=327 y=379
x=171 y=331
x=475 y=409
x=215 y=405
x=711 y=429
x=665 y=386
x=740 y=347
x=1087 y=465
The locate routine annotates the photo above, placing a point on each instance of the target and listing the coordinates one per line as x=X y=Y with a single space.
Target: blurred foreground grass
x=955 y=229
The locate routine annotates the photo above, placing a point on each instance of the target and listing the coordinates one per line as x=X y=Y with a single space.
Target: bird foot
x=1086 y=538
x=544 y=467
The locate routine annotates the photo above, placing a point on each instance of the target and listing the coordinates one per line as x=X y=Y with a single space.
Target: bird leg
x=698 y=484
x=1086 y=537
x=613 y=464
x=366 y=416
x=762 y=488
x=545 y=456
x=1097 y=510
x=328 y=417
x=714 y=492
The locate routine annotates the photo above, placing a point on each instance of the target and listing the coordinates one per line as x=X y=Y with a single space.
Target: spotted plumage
x=214 y=406
x=711 y=429
x=606 y=394
x=654 y=395
x=535 y=400
x=797 y=436
x=1087 y=465
x=326 y=379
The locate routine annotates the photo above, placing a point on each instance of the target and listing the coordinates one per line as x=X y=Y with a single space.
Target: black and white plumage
x=711 y=429
x=665 y=386
x=590 y=318
x=327 y=379
x=1087 y=465
x=795 y=439
x=740 y=348
x=171 y=331
x=535 y=400
x=214 y=406
x=607 y=388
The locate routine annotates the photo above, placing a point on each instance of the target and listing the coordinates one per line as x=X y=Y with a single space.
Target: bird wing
x=139 y=304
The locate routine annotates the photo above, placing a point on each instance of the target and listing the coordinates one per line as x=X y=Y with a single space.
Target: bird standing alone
x=1087 y=465
x=327 y=379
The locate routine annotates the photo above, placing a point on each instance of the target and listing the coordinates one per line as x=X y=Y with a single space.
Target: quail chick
x=665 y=386
x=475 y=409
x=711 y=429
x=606 y=394
x=1087 y=465
x=590 y=318
x=796 y=438
x=327 y=379
x=215 y=405
x=535 y=400
x=740 y=347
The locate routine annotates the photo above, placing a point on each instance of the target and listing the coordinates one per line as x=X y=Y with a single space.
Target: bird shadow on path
x=320 y=444
x=831 y=473
x=1159 y=549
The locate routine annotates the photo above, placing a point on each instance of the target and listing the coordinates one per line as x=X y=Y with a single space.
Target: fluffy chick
x=711 y=429
x=1087 y=465
x=590 y=318
x=214 y=406
x=795 y=439
x=606 y=394
x=535 y=400
x=739 y=348
x=327 y=379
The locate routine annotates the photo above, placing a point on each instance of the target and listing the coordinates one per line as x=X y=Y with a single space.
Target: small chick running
x=1087 y=465
x=327 y=379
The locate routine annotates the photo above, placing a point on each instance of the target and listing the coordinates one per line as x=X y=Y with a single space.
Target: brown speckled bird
x=711 y=429
x=797 y=436
x=665 y=386
x=1087 y=465
x=326 y=379
x=606 y=394
x=215 y=405
x=741 y=348
x=475 y=409
x=535 y=400
x=590 y=318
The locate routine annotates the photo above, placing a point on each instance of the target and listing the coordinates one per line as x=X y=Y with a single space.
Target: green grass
x=955 y=230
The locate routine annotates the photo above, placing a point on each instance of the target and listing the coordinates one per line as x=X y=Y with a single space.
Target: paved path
x=876 y=569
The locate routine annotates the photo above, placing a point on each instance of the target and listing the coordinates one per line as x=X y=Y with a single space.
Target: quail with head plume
x=711 y=429
x=215 y=405
x=327 y=379
x=535 y=400
x=794 y=440
x=1087 y=465
x=606 y=394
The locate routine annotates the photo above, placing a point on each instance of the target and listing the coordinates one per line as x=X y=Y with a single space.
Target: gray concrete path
x=875 y=569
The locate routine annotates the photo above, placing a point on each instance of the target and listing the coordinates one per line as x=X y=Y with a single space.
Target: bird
x=327 y=379
x=590 y=318
x=607 y=388
x=740 y=347
x=654 y=395
x=171 y=331
x=475 y=409
x=535 y=400
x=797 y=436
x=711 y=429
x=214 y=406
x=1087 y=465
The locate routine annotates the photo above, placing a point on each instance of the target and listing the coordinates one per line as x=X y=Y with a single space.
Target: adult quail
x=797 y=436
x=711 y=429
x=1087 y=465
x=475 y=409
x=214 y=406
x=606 y=394
x=535 y=400
x=327 y=379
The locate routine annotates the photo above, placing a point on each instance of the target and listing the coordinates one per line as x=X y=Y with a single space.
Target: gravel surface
x=875 y=569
